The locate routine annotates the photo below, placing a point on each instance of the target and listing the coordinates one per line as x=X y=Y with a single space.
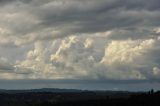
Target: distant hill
x=111 y=94
x=53 y=90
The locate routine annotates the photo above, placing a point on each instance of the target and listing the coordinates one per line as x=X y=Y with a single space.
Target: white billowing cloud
x=74 y=57
x=126 y=51
x=35 y=63
x=79 y=57
x=130 y=59
x=118 y=62
x=71 y=57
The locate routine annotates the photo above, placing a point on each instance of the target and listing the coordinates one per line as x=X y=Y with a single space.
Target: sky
x=81 y=44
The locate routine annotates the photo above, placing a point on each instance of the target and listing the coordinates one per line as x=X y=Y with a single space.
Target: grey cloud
x=5 y=65
x=76 y=16
x=106 y=16
x=132 y=33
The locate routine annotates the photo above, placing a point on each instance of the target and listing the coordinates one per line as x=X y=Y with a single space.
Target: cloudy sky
x=115 y=43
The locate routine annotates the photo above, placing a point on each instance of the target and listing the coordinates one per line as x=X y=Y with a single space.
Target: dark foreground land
x=78 y=98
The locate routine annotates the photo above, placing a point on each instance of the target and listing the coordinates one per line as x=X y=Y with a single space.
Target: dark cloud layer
x=95 y=16
x=88 y=16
